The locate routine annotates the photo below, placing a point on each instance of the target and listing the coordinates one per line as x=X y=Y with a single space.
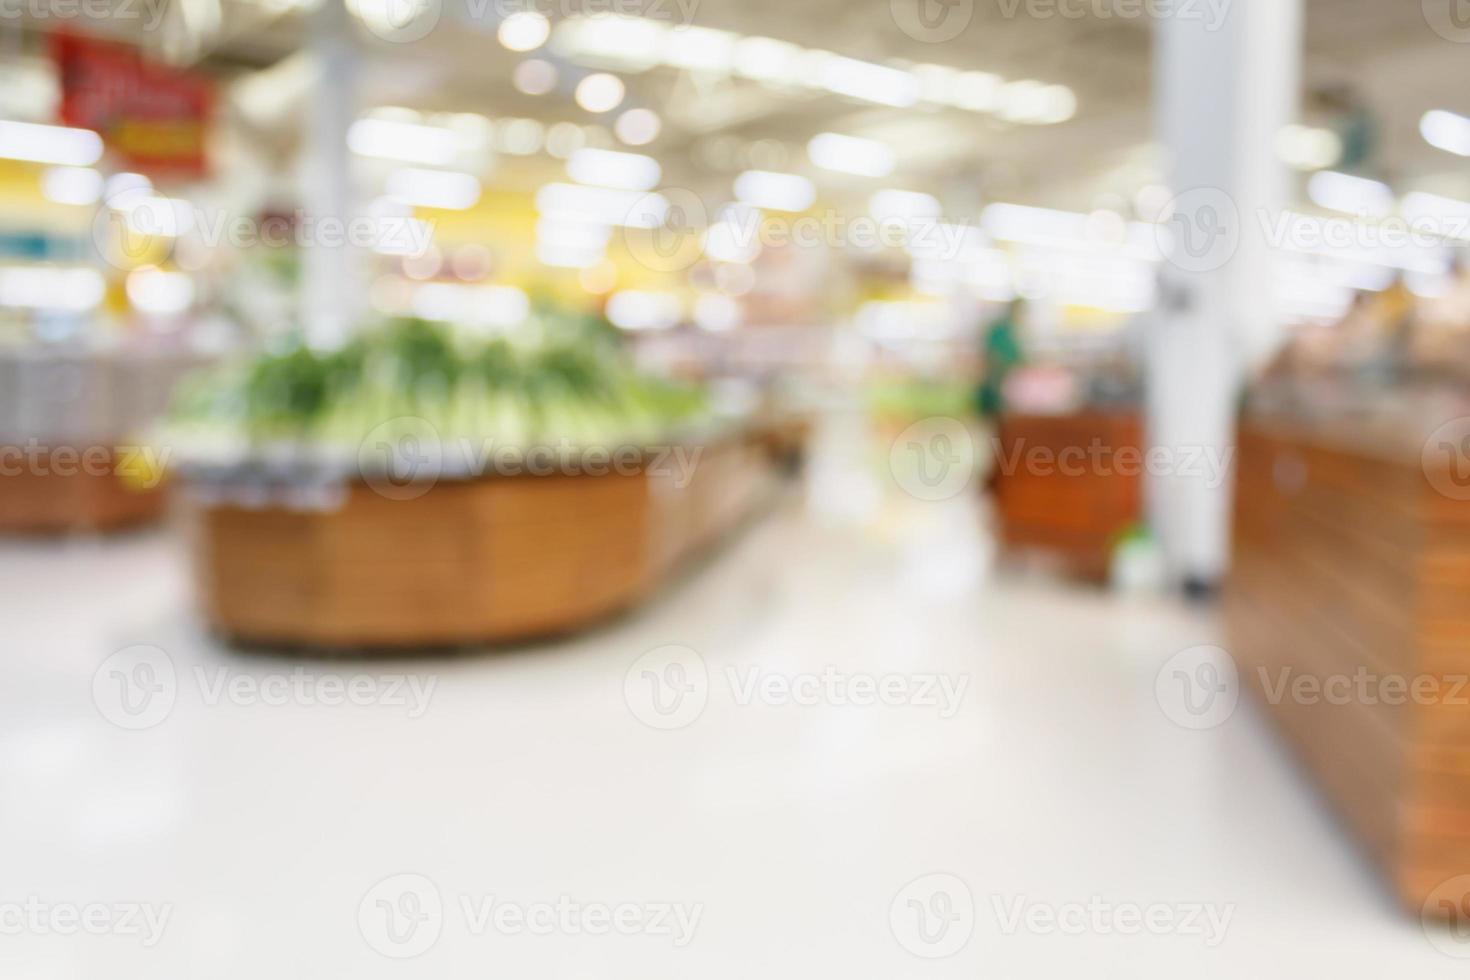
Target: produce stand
x=478 y=560
x=67 y=425
x=430 y=486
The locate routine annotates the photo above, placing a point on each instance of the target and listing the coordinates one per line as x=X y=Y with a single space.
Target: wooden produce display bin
x=71 y=488
x=469 y=561
x=65 y=420
x=1348 y=563
x=1048 y=499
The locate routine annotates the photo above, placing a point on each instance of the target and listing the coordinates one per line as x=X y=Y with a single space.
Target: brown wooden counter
x=498 y=557
x=1069 y=485
x=1350 y=569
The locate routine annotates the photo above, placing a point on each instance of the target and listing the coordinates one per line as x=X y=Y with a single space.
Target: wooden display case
x=1051 y=493
x=468 y=561
x=1349 y=564
x=59 y=489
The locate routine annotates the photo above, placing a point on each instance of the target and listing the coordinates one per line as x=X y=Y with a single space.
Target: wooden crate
x=1345 y=560
x=496 y=558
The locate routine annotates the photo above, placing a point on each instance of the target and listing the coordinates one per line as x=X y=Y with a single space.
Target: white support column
x=331 y=274
x=1223 y=88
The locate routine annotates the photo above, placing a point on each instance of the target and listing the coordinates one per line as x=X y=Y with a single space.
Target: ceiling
x=1387 y=51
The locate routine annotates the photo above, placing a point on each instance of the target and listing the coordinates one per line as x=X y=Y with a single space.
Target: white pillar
x=1223 y=88
x=331 y=274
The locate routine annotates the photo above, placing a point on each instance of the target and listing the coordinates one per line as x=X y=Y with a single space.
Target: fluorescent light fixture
x=434 y=188
x=600 y=92
x=410 y=142
x=1057 y=104
x=937 y=83
x=1446 y=131
x=572 y=234
x=613 y=41
x=611 y=168
x=45 y=287
x=850 y=155
x=765 y=59
x=892 y=205
x=1023 y=101
x=1351 y=195
x=775 y=191
x=534 y=76
x=1067 y=231
x=569 y=256
x=601 y=205
x=638 y=127
x=978 y=91
x=71 y=185
x=869 y=82
x=637 y=309
x=49 y=144
x=154 y=291
x=524 y=30
x=1452 y=216
x=700 y=49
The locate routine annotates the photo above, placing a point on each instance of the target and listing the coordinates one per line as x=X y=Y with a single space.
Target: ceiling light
x=778 y=192
x=937 y=83
x=700 y=49
x=977 y=91
x=611 y=168
x=568 y=256
x=1448 y=214
x=734 y=236
x=534 y=76
x=411 y=142
x=71 y=185
x=850 y=155
x=1023 y=101
x=1446 y=131
x=1057 y=104
x=869 y=82
x=600 y=92
x=49 y=144
x=1349 y=194
x=765 y=59
x=562 y=233
x=613 y=41
x=891 y=205
x=524 y=30
x=638 y=127
x=601 y=205
x=434 y=188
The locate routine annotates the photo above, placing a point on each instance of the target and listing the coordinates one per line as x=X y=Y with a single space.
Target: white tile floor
x=795 y=840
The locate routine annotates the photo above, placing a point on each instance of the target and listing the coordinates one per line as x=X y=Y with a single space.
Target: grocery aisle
x=759 y=775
